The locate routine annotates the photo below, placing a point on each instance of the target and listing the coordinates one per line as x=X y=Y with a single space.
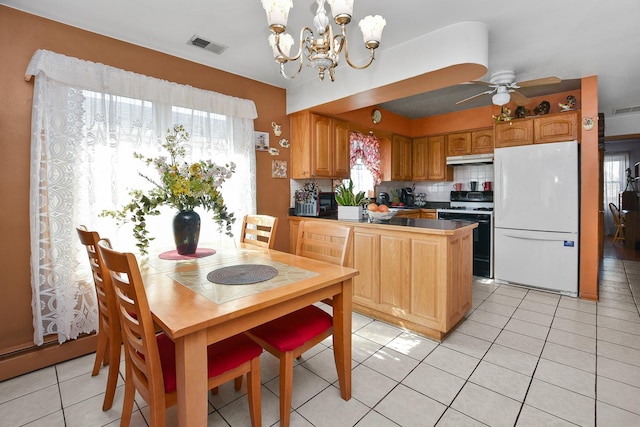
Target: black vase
x=186 y=232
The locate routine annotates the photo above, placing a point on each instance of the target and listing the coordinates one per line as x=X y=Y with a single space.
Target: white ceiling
x=569 y=39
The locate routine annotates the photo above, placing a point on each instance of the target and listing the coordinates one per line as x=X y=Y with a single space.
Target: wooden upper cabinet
x=319 y=147
x=401 y=158
x=556 y=128
x=342 y=147
x=420 y=158
x=482 y=141
x=458 y=144
x=322 y=147
x=516 y=132
x=437 y=169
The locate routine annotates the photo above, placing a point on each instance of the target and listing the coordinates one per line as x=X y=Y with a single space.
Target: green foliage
x=345 y=195
x=182 y=186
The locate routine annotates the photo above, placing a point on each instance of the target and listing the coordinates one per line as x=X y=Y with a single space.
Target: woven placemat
x=242 y=274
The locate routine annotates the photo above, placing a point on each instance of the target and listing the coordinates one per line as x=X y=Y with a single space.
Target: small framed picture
x=262 y=141
x=278 y=169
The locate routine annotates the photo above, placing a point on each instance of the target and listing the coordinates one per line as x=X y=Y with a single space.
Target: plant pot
x=350 y=212
x=186 y=232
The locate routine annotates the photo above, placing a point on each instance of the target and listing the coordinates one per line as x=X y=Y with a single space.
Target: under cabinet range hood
x=470 y=159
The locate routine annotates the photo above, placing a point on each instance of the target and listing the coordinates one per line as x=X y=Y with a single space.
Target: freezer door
x=544 y=260
x=536 y=187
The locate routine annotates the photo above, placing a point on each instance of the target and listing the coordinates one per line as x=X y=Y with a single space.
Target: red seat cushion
x=292 y=330
x=222 y=356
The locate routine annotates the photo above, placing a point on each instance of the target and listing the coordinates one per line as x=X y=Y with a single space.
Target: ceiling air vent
x=626 y=110
x=207 y=45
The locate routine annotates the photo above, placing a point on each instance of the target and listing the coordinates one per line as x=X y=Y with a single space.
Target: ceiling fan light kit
x=504 y=88
x=321 y=49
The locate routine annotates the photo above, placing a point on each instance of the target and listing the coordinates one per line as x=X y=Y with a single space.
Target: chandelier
x=320 y=49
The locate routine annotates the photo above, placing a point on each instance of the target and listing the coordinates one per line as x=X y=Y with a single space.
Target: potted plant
x=349 y=202
x=183 y=186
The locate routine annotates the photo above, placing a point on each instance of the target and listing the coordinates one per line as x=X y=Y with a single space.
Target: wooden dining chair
x=619 y=221
x=259 y=230
x=150 y=359
x=289 y=336
x=109 y=336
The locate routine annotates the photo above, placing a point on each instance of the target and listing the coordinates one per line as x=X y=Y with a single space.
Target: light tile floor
x=522 y=357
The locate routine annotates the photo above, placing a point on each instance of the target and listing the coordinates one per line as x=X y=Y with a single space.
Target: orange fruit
x=383 y=208
x=372 y=207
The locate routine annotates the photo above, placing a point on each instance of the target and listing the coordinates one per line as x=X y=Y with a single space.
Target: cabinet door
x=459 y=144
x=420 y=158
x=517 y=132
x=301 y=146
x=321 y=146
x=482 y=141
x=341 y=153
x=366 y=259
x=556 y=128
x=394 y=285
x=401 y=163
x=407 y=162
x=437 y=169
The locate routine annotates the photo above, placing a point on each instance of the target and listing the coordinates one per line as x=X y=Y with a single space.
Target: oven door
x=482 y=240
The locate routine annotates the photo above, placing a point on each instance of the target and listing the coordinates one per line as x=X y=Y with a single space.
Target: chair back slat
x=324 y=241
x=259 y=230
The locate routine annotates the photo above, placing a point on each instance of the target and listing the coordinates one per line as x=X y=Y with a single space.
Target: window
x=365 y=162
x=88 y=120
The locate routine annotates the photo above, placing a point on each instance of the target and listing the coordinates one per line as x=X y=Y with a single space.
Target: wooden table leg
x=342 y=337
x=191 y=376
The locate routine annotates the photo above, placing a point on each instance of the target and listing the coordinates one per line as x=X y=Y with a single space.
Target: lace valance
x=106 y=79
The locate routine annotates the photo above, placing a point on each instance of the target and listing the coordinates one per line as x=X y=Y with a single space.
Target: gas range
x=470 y=202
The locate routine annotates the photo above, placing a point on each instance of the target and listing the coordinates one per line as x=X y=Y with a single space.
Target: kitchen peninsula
x=414 y=273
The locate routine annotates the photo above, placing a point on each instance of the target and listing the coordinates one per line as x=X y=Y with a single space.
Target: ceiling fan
x=503 y=87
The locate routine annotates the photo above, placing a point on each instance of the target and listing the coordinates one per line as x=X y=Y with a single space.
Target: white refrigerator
x=537 y=216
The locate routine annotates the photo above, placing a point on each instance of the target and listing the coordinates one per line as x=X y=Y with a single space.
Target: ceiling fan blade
x=539 y=82
x=475 y=96
x=519 y=98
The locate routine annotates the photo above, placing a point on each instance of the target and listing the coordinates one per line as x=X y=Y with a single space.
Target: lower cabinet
x=421 y=282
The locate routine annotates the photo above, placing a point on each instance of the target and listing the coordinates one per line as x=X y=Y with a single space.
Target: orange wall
x=21 y=35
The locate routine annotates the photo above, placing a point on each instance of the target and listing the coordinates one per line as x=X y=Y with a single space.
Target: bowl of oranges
x=380 y=212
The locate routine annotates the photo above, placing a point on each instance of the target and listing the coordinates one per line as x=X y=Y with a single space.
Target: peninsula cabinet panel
x=516 y=132
x=459 y=144
x=556 y=128
x=366 y=259
x=459 y=297
x=426 y=302
x=394 y=266
x=482 y=141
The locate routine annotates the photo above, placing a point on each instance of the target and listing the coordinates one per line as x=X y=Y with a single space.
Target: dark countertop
x=419 y=224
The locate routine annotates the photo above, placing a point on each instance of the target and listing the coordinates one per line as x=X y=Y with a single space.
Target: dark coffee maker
x=407 y=197
x=383 y=199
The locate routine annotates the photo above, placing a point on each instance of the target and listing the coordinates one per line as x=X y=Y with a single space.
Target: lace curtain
x=615 y=166
x=87 y=121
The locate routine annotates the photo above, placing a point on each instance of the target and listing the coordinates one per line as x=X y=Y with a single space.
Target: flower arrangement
x=181 y=185
x=307 y=193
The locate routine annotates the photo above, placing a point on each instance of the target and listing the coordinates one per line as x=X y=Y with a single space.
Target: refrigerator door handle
x=540 y=239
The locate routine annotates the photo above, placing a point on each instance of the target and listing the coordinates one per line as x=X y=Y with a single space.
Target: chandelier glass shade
x=320 y=49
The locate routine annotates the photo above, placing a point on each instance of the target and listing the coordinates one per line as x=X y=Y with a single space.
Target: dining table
x=196 y=312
